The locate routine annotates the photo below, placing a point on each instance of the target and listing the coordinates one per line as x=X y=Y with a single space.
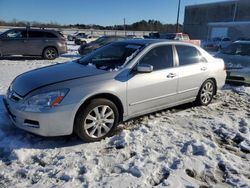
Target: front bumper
x=237 y=77
x=54 y=122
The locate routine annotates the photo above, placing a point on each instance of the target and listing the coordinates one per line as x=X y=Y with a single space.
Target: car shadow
x=24 y=58
x=21 y=58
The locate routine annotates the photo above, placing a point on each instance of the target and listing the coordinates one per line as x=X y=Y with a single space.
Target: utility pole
x=235 y=10
x=124 y=25
x=178 y=14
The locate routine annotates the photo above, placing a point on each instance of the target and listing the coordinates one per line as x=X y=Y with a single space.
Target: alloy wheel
x=50 y=53
x=207 y=92
x=99 y=121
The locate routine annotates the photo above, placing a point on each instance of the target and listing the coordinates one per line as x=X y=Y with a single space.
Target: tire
x=50 y=53
x=206 y=93
x=83 y=42
x=91 y=124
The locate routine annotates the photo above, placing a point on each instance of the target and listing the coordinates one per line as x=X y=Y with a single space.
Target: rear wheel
x=97 y=120
x=50 y=53
x=206 y=93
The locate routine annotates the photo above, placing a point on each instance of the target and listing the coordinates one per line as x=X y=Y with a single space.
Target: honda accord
x=117 y=82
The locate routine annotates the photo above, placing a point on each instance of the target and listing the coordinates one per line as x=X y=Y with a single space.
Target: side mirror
x=144 y=68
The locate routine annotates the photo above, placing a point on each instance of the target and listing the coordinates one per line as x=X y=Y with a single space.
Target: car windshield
x=101 y=40
x=111 y=57
x=237 y=49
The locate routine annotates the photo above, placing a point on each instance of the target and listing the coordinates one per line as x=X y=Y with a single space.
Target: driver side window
x=160 y=57
x=16 y=34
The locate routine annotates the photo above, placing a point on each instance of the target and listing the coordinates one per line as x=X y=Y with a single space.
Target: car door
x=192 y=71
x=36 y=42
x=13 y=42
x=151 y=91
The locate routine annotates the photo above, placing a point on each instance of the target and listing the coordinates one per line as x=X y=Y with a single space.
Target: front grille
x=31 y=123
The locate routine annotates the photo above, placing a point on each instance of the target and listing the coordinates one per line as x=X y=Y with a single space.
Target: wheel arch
x=113 y=98
x=215 y=84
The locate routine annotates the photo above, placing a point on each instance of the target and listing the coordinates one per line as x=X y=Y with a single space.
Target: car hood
x=29 y=81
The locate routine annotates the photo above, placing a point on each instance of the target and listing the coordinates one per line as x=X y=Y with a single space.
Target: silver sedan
x=119 y=81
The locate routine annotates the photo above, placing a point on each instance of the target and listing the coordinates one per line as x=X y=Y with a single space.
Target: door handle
x=171 y=75
x=204 y=68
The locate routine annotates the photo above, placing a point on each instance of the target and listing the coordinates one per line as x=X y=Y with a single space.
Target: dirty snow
x=186 y=146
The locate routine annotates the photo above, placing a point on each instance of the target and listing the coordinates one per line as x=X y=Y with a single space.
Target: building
x=222 y=19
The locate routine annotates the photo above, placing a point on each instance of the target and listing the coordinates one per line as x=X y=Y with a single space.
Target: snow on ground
x=186 y=146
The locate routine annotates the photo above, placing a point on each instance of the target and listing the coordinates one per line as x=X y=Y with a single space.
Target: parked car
x=237 y=60
x=32 y=42
x=117 y=82
x=174 y=36
x=86 y=39
x=87 y=48
x=75 y=35
x=217 y=43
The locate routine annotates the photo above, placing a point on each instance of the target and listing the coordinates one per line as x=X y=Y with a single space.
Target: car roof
x=154 y=41
x=144 y=41
x=35 y=29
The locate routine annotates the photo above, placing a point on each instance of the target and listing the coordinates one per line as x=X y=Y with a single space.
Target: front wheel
x=206 y=93
x=96 y=120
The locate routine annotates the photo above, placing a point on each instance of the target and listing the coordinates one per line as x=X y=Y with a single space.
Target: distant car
x=217 y=43
x=72 y=37
x=174 y=36
x=84 y=40
x=237 y=59
x=117 y=82
x=87 y=48
x=32 y=42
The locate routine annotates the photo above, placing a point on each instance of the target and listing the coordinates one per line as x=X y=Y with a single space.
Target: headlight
x=37 y=103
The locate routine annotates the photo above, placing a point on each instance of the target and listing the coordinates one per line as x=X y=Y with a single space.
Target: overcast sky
x=102 y=12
